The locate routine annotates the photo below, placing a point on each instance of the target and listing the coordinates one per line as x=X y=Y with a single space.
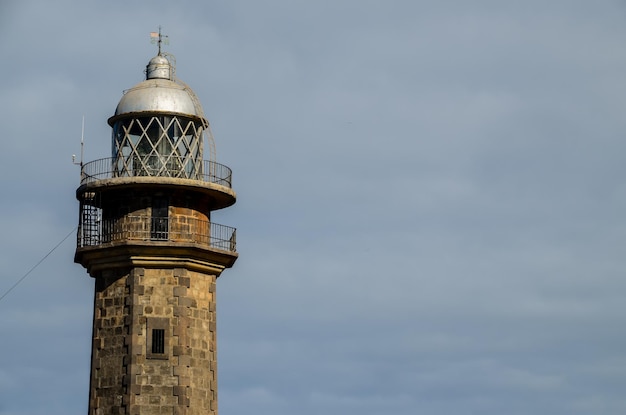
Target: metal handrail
x=108 y=168
x=147 y=228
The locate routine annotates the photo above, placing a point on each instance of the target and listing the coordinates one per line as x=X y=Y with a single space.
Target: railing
x=155 y=166
x=146 y=228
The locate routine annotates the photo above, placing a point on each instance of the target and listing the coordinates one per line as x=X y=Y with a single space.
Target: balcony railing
x=94 y=232
x=155 y=166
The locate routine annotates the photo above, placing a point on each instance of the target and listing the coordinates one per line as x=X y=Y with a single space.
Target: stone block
x=169 y=400
x=170 y=380
x=181 y=351
x=163 y=390
x=137 y=349
x=187 y=302
x=143 y=380
x=142 y=400
x=184 y=360
x=179 y=390
x=156 y=379
x=184 y=381
x=180 y=291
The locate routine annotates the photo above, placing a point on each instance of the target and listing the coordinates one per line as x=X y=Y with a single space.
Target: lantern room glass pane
x=161 y=145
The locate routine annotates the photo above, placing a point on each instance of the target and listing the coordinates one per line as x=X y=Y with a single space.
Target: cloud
x=430 y=199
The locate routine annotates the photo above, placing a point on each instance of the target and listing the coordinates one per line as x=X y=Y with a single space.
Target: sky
x=431 y=198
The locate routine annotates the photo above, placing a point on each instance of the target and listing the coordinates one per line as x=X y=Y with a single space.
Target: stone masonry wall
x=128 y=375
x=109 y=348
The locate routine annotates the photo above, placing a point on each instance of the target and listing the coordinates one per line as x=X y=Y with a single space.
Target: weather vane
x=157 y=37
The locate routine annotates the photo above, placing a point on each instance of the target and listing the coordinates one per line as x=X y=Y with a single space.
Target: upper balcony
x=203 y=176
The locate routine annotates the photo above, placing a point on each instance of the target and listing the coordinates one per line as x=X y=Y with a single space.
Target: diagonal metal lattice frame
x=161 y=145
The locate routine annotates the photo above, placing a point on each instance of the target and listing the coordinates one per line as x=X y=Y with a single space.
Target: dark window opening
x=158 y=341
x=159 y=226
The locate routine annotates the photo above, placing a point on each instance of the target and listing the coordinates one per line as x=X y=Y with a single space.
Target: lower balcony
x=94 y=231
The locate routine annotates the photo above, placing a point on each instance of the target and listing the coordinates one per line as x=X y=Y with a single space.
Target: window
x=158 y=341
x=159 y=224
x=159 y=146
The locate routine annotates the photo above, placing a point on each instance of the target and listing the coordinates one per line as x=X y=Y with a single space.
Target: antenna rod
x=159 y=40
x=82 y=148
x=82 y=142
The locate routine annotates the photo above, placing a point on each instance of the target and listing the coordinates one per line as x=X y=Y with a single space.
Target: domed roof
x=159 y=93
x=159 y=67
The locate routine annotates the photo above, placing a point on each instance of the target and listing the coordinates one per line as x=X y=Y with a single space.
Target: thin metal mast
x=157 y=37
x=82 y=146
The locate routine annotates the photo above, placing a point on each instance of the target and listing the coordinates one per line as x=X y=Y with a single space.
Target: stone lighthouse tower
x=147 y=237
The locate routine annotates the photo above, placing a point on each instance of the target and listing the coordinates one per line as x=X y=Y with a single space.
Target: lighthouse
x=146 y=235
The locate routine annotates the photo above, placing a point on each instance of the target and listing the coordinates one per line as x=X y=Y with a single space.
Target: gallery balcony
x=203 y=176
x=177 y=229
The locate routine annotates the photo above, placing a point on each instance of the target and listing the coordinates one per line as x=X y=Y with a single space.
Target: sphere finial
x=159 y=67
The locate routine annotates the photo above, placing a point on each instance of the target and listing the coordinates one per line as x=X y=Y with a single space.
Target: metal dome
x=159 y=67
x=159 y=93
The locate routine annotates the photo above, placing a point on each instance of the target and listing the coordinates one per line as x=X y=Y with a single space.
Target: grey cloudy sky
x=431 y=198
